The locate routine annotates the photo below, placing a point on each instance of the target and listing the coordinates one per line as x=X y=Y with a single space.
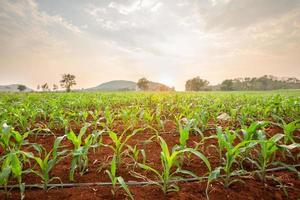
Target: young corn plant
x=184 y=133
x=267 y=153
x=226 y=142
x=158 y=116
x=119 y=143
x=83 y=115
x=117 y=179
x=134 y=153
x=81 y=149
x=251 y=132
x=203 y=120
x=4 y=178
x=95 y=118
x=11 y=139
x=22 y=119
x=12 y=158
x=289 y=129
x=109 y=117
x=167 y=177
x=147 y=115
x=12 y=165
x=47 y=163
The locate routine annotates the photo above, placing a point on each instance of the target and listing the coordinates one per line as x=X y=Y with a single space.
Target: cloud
x=24 y=26
x=29 y=11
x=238 y=14
x=153 y=38
x=126 y=9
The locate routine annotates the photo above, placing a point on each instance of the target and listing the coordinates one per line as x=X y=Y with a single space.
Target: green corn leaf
x=113 y=167
x=16 y=165
x=146 y=167
x=113 y=136
x=4 y=175
x=125 y=187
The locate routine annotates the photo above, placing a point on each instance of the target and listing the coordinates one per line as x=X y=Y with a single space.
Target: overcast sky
x=168 y=41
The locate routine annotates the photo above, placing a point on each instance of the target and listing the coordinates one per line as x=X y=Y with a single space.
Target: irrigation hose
x=131 y=183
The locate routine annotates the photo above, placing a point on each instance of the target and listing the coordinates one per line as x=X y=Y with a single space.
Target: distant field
x=233 y=138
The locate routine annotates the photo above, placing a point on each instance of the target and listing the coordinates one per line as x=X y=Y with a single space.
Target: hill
x=123 y=85
x=116 y=85
x=13 y=88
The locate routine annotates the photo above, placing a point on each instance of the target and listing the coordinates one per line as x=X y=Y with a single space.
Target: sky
x=168 y=41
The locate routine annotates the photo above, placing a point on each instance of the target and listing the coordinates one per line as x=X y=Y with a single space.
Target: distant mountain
x=116 y=85
x=123 y=85
x=13 y=88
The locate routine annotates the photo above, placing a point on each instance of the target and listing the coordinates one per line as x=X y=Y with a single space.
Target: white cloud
x=24 y=26
x=156 y=7
x=126 y=9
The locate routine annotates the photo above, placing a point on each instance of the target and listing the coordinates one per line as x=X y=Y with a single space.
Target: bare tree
x=68 y=80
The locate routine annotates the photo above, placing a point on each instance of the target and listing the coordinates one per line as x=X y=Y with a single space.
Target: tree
x=45 y=87
x=68 y=80
x=21 y=88
x=55 y=87
x=227 y=85
x=143 y=84
x=163 y=88
x=196 y=84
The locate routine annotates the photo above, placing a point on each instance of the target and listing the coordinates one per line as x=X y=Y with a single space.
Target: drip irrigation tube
x=132 y=183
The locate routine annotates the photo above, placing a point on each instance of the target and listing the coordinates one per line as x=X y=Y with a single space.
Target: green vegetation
x=121 y=126
x=168 y=161
x=261 y=83
x=114 y=179
x=196 y=84
x=47 y=162
x=80 y=151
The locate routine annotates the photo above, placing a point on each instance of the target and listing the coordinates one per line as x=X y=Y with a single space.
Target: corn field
x=135 y=145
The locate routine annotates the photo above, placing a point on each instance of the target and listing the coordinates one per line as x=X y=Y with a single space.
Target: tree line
x=266 y=82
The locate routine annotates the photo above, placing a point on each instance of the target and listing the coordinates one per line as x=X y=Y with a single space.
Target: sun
x=167 y=80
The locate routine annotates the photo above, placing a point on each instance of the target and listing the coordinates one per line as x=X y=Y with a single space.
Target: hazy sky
x=164 y=40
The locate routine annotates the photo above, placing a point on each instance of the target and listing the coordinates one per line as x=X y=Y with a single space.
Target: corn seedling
x=289 y=129
x=80 y=150
x=117 y=179
x=184 y=133
x=226 y=142
x=119 y=143
x=47 y=163
x=12 y=165
x=267 y=153
x=167 y=176
x=134 y=153
x=11 y=139
x=109 y=117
